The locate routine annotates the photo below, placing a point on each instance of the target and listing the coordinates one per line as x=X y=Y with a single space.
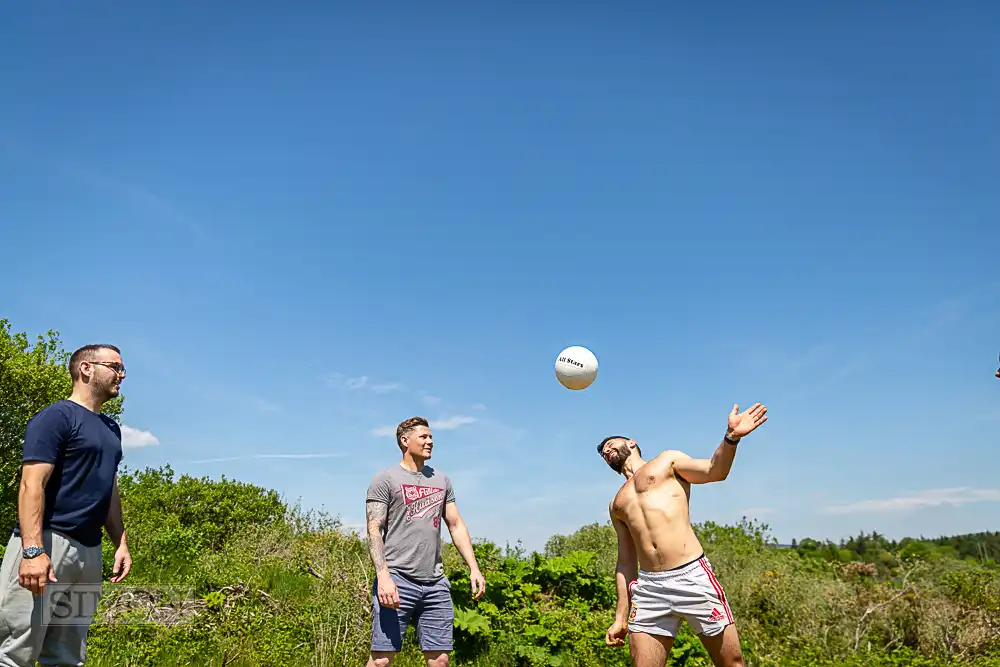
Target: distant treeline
x=981 y=547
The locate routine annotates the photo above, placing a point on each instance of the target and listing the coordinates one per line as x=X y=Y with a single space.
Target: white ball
x=576 y=367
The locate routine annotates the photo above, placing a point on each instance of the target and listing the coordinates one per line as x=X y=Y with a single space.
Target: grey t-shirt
x=416 y=502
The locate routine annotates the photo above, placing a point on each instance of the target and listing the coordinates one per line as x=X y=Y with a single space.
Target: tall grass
x=295 y=589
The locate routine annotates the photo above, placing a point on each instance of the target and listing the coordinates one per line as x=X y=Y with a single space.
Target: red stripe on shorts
x=718 y=588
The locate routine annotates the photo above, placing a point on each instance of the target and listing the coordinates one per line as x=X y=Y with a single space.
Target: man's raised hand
x=744 y=422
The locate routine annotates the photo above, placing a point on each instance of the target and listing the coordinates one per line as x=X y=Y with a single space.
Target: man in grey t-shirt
x=405 y=505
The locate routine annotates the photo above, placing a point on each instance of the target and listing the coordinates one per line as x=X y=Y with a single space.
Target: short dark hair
x=600 y=447
x=408 y=425
x=86 y=353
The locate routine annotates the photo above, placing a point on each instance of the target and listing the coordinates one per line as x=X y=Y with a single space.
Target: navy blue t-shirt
x=85 y=448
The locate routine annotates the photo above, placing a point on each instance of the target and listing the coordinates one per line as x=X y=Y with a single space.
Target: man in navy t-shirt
x=68 y=494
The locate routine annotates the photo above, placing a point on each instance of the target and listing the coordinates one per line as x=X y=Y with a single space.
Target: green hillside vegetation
x=877 y=549
x=228 y=573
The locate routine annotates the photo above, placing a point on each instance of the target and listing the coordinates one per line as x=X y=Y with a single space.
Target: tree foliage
x=885 y=554
x=597 y=538
x=174 y=519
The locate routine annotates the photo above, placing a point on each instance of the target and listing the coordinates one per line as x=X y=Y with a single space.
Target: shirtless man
x=674 y=580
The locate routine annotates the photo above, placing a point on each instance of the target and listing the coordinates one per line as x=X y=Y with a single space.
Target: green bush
x=295 y=589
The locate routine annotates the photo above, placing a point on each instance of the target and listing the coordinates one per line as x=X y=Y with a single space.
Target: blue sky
x=304 y=225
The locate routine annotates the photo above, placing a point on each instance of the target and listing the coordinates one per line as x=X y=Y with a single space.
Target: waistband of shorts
x=674 y=571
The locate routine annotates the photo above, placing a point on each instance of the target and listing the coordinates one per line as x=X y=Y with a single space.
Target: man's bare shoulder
x=661 y=467
x=619 y=499
x=670 y=456
x=623 y=499
x=663 y=461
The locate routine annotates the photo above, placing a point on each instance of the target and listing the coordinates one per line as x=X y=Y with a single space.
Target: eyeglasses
x=113 y=365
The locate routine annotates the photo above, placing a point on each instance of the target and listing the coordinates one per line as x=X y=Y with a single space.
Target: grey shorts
x=691 y=592
x=427 y=605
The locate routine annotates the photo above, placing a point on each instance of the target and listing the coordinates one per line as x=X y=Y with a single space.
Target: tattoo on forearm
x=376 y=547
x=377 y=551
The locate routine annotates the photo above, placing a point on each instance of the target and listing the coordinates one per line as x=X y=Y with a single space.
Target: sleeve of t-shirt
x=46 y=435
x=378 y=490
x=449 y=491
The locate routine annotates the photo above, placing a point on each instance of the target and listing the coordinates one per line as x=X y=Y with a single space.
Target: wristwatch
x=730 y=440
x=32 y=552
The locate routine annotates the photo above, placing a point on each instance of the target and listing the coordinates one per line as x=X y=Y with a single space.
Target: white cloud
x=133 y=437
x=356 y=383
x=430 y=400
x=929 y=498
x=452 y=422
x=363 y=382
x=478 y=406
x=383 y=430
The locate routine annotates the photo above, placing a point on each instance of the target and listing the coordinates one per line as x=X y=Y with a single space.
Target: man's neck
x=87 y=399
x=412 y=464
x=633 y=463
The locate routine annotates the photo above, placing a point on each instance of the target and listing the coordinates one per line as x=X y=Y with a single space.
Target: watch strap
x=32 y=552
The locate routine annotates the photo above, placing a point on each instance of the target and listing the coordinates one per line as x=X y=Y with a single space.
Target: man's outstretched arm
x=704 y=471
x=716 y=469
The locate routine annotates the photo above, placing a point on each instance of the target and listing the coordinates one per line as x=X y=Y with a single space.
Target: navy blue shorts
x=428 y=605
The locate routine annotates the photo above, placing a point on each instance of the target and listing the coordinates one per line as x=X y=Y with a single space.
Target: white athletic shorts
x=690 y=591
